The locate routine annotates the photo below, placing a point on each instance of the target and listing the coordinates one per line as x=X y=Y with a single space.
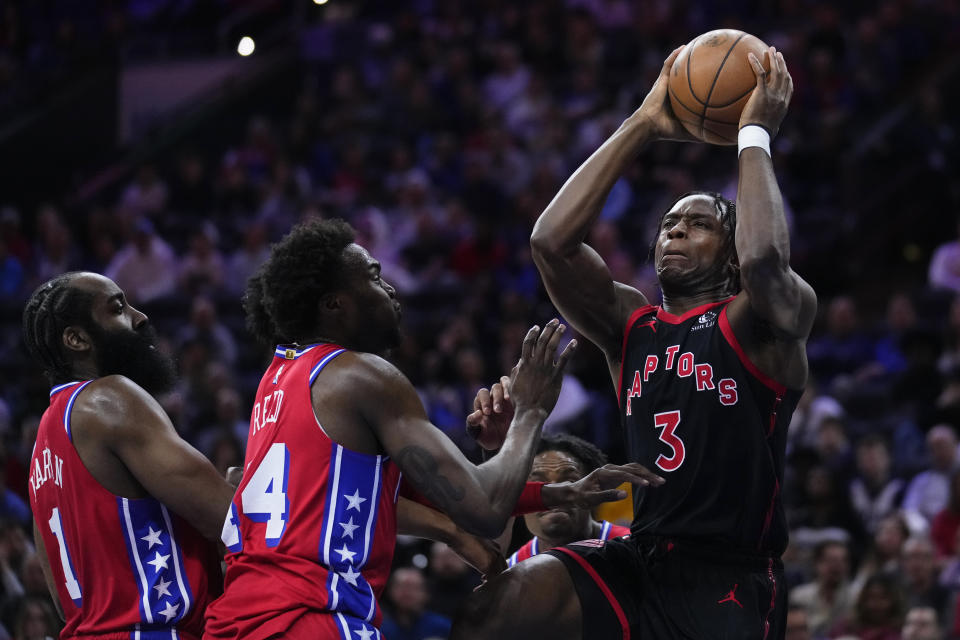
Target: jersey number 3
x=668 y=421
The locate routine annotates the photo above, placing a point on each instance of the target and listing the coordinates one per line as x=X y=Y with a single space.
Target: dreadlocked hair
x=54 y=306
x=586 y=453
x=727 y=214
x=281 y=298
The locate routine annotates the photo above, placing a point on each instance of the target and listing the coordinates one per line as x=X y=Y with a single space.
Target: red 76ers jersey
x=124 y=568
x=312 y=526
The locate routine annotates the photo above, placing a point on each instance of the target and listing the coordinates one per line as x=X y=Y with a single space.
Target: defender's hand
x=492 y=413
x=599 y=486
x=768 y=103
x=481 y=554
x=656 y=111
x=535 y=380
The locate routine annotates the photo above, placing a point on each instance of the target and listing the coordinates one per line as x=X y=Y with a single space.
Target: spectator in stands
x=929 y=492
x=945 y=264
x=202 y=267
x=146 y=267
x=919 y=575
x=921 y=623
x=827 y=599
x=205 y=327
x=450 y=580
x=874 y=493
x=878 y=611
x=252 y=253
x=798 y=626
x=36 y=620
x=885 y=551
x=845 y=348
x=407 y=617
x=943 y=529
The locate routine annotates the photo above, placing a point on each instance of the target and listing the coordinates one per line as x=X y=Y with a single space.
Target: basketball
x=711 y=81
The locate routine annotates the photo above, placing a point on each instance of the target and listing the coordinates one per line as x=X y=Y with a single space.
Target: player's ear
x=77 y=339
x=331 y=302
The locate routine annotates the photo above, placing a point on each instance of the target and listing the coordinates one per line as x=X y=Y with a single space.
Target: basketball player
x=707 y=383
x=124 y=509
x=563 y=458
x=311 y=531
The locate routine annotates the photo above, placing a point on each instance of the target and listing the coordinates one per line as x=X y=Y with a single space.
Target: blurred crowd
x=441 y=130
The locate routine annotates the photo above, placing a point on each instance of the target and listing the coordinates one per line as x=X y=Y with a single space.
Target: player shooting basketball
x=707 y=383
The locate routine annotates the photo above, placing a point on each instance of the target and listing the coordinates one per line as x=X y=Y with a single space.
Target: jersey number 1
x=668 y=421
x=69 y=578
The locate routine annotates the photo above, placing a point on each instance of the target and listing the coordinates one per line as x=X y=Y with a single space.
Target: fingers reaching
x=566 y=353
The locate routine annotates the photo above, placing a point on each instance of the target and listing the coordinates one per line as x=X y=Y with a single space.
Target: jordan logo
x=277 y=377
x=731 y=597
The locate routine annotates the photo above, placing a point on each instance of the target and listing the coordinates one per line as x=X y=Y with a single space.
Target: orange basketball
x=711 y=81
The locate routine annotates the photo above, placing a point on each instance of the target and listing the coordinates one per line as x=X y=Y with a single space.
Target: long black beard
x=131 y=353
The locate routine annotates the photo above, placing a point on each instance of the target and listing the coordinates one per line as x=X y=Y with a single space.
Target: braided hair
x=54 y=306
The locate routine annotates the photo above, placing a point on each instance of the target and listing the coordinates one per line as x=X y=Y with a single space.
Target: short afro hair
x=51 y=308
x=587 y=454
x=281 y=298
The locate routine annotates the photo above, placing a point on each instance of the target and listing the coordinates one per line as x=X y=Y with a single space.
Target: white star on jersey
x=345 y=554
x=354 y=500
x=163 y=588
x=159 y=560
x=351 y=576
x=348 y=528
x=152 y=538
x=171 y=611
x=365 y=634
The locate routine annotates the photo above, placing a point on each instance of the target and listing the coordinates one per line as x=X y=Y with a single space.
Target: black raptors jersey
x=699 y=413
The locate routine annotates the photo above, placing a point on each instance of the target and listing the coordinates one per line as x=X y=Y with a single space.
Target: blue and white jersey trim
x=69 y=409
x=320 y=365
x=352 y=505
x=155 y=557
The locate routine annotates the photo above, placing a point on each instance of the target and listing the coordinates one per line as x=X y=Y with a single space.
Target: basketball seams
x=706 y=104
x=693 y=93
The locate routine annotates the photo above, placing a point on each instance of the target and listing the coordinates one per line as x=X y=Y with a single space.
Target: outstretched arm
x=577 y=279
x=773 y=294
x=478 y=498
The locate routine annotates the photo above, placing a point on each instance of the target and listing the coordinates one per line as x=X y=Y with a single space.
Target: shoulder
x=365 y=376
x=114 y=401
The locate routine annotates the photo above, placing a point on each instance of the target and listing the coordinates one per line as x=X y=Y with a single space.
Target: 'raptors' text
x=684 y=366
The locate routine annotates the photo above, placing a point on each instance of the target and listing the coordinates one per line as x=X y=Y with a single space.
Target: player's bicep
x=429 y=460
x=784 y=301
x=584 y=291
x=166 y=465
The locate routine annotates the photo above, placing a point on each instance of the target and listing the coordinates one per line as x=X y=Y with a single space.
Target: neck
x=680 y=304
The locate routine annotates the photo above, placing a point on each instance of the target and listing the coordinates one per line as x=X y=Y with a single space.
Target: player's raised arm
x=130 y=424
x=479 y=499
x=774 y=292
x=577 y=279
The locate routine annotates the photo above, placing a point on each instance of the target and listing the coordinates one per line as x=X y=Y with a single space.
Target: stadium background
x=136 y=141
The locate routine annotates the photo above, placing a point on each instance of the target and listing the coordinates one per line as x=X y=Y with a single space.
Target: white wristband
x=753 y=135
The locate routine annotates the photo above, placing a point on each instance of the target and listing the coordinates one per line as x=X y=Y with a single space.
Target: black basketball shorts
x=657 y=588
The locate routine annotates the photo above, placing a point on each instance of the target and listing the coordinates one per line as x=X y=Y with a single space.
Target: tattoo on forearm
x=421 y=468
